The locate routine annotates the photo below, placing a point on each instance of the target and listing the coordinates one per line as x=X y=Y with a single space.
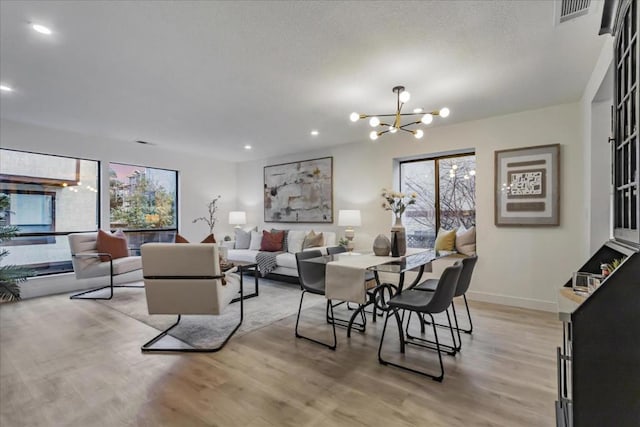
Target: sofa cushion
x=295 y=239
x=329 y=238
x=313 y=240
x=180 y=239
x=243 y=239
x=114 y=244
x=285 y=239
x=256 y=240
x=466 y=241
x=287 y=260
x=271 y=241
x=446 y=240
x=242 y=255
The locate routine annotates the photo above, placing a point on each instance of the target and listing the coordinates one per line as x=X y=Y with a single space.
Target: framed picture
x=299 y=191
x=527 y=186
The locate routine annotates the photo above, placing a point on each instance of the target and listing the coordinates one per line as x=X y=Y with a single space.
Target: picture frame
x=527 y=186
x=299 y=192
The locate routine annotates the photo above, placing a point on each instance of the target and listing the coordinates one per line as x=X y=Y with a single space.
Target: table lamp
x=349 y=219
x=237 y=218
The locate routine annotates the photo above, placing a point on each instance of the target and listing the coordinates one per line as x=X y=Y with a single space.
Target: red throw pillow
x=114 y=244
x=209 y=239
x=180 y=239
x=272 y=242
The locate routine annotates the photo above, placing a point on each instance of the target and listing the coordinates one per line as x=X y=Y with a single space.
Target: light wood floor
x=78 y=363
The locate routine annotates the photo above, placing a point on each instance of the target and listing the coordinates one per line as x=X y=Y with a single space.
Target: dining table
x=345 y=276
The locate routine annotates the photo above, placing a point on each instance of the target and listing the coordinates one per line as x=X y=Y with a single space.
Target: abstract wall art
x=299 y=191
x=527 y=186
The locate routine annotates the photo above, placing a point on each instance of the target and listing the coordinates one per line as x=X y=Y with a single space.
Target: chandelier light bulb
x=374 y=122
x=373 y=135
x=354 y=117
x=392 y=129
x=427 y=118
x=454 y=167
x=466 y=177
x=444 y=112
x=404 y=96
x=417 y=110
x=41 y=29
x=472 y=172
x=419 y=134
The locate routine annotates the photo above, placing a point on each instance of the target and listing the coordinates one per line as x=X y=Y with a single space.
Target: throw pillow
x=466 y=242
x=313 y=240
x=294 y=240
x=285 y=243
x=243 y=239
x=114 y=244
x=271 y=241
x=446 y=240
x=256 y=241
x=209 y=239
x=180 y=239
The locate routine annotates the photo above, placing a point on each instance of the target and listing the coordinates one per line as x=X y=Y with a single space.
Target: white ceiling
x=214 y=76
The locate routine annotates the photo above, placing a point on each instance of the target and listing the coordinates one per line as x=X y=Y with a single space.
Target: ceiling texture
x=210 y=77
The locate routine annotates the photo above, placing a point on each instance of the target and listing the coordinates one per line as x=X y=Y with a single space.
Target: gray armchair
x=87 y=263
x=186 y=279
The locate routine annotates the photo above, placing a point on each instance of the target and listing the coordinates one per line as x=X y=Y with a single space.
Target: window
x=446 y=189
x=142 y=202
x=626 y=145
x=50 y=197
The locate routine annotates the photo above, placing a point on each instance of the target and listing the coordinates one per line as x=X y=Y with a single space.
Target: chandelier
x=418 y=116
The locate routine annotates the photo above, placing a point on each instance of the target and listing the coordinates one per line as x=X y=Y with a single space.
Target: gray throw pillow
x=243 y=239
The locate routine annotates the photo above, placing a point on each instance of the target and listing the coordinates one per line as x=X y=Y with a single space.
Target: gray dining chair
x=468 y=264
x=312 y=280
x=423 y=303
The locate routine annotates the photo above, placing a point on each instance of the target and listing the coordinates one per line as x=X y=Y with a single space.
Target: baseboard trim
x=533 y=304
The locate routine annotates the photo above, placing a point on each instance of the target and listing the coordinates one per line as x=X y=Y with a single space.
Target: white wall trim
x=530 y=303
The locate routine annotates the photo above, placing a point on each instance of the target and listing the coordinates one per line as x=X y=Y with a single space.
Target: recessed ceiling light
x=247 y=147
x=6 y=88
x=314 y=132
x=41 y=29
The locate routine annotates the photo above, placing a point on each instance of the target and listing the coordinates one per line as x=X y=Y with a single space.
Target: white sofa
x=286 y=262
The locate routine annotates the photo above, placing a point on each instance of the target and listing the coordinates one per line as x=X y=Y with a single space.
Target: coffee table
x=242 y=268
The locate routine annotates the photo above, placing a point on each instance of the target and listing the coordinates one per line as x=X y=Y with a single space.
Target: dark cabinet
x=599 y=362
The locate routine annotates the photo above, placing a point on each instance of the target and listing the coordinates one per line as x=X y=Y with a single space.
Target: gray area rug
x=276 y=301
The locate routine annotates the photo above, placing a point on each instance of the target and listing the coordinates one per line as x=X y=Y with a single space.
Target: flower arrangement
x=397 y=202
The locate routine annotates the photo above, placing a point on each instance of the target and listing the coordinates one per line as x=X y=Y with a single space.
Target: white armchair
x=186 y=279
x=87 y=264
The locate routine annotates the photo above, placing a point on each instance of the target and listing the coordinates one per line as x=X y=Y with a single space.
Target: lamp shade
x=349 y=218
x=237 y=217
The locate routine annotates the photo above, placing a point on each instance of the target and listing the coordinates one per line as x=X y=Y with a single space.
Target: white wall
x=595 y=118
x=521 y=266
x=200 y=179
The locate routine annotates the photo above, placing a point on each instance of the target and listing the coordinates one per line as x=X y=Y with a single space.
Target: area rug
x=276 y=301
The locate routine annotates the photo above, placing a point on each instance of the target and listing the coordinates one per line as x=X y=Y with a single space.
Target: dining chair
x=423 y=303
x=312 y=280
x=186 y=279
x=87 y=263
x=468 y=264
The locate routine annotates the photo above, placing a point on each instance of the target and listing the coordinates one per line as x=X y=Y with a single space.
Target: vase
x=398 y=238
x=381 y=245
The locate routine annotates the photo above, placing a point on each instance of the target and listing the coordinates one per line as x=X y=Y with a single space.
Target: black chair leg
x=451 y=350
x=466 y=304
x=438 y=378
x=333 y=325
x=149 y=348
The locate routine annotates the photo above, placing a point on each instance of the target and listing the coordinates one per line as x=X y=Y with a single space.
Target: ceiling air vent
x=569 y=9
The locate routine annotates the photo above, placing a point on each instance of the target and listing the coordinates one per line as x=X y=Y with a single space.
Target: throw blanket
x=266 y=262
